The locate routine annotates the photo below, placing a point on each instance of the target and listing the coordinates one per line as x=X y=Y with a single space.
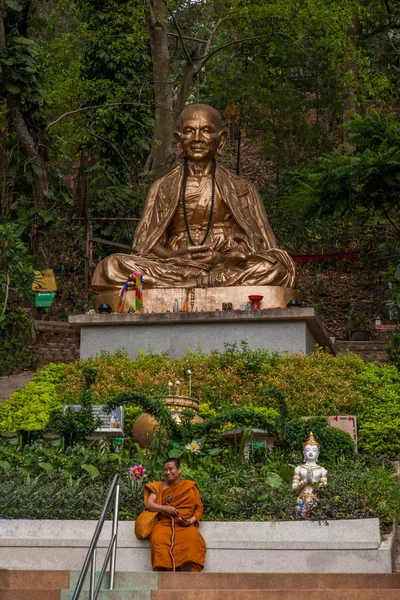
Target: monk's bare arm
x=198 y=508
x=152 y=505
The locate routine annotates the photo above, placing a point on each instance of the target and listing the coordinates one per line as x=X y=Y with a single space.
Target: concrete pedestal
x=291 y=330
x=352 y=546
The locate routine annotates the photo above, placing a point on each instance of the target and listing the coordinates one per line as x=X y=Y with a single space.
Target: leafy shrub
x=394 y=349
x=43 y=481
x=335 y=444
x=29 y=408
x=76 y=425
x=15 y=339
x=314 y=385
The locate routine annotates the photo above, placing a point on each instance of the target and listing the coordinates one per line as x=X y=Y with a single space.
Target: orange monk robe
x=188 y=543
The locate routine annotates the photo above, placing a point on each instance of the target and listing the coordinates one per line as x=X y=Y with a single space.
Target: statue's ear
x=223 y=134
x=178 y=142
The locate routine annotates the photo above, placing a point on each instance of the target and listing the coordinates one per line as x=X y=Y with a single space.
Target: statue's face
x=311 y=452
x=199 y=136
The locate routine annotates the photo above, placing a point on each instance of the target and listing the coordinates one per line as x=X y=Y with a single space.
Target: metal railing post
x=90 y=560
x=114 y=534
x=92 y=576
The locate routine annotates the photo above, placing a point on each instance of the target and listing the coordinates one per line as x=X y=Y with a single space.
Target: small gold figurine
x=309 y=477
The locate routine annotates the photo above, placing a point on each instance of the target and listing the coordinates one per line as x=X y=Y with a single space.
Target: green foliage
x=15 y=339
x=29 y=409
x=153 y=406
x=240 y=417
x=283 y=388
x=363 y=492
x=76 y=425
x=363 y=177
x=44 y=481
x=20 y=72
x=394 y=349
x=336 y=445
x=16 y=266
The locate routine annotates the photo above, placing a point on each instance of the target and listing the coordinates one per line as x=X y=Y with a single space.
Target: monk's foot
x=187 y=566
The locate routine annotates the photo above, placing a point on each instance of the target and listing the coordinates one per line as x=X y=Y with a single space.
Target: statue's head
x=311 y=449
x=200 y=132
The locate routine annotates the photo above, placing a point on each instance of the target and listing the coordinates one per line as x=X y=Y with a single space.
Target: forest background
x=309 y=90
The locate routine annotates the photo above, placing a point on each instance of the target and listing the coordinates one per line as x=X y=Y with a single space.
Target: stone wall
x=54 y=342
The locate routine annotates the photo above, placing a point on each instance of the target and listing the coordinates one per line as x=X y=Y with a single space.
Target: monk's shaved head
x=194 y=110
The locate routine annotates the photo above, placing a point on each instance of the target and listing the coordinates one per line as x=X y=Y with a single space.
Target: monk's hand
x=186 y=522
x=170 y=510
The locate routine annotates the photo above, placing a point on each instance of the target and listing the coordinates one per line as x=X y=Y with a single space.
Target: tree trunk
x=349 y=105
x=5 y=196
x=33 y=142
x=161 y=155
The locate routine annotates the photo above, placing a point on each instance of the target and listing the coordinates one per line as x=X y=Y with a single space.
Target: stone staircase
x=373 y=351
x=59 y=585
x=32 y=585
x=127 y=586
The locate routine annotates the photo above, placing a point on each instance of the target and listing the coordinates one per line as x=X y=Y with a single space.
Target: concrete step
x=33 y=580
x=29 y=594
x=124 y=580
x=269 y=581
x=294 y=594
x=110 y=595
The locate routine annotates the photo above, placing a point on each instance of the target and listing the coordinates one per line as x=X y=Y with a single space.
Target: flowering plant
x=193 y=447
x=137 y=471
x=136 y=475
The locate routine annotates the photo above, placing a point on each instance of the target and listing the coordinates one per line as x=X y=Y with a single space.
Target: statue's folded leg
x=112 y=272
x=258 y=270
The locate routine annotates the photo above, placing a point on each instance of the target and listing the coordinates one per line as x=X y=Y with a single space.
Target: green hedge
x=314 y=385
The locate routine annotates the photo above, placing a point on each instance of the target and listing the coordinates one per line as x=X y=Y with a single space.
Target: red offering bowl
x=255 y=302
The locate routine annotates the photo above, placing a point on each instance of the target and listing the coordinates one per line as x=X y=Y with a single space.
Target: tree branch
x=3 y=44
x=187 y=37
x=185 y=50
x=7 y=286
x=211 y=37
x=152 y=18
x=79 y=110
x=116 y=150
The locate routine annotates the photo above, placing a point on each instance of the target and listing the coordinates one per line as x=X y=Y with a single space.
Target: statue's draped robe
x=239 y=222
x=189 y=545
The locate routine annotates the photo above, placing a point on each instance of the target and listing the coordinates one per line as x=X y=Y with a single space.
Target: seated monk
x=202 y=226
x=176 y=543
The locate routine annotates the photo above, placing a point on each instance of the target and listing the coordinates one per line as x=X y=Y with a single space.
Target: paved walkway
x=8 y=385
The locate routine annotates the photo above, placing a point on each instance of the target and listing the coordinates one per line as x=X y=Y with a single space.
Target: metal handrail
x=90 y=560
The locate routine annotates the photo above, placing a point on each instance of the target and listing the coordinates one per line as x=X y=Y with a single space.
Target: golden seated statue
x=202 y=226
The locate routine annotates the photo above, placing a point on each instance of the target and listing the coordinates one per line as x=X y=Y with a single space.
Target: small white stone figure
x=309 y=477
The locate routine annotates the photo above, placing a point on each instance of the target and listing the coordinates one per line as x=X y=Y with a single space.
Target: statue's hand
x=202 y=254
x=235 y=258
x=310 y=478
